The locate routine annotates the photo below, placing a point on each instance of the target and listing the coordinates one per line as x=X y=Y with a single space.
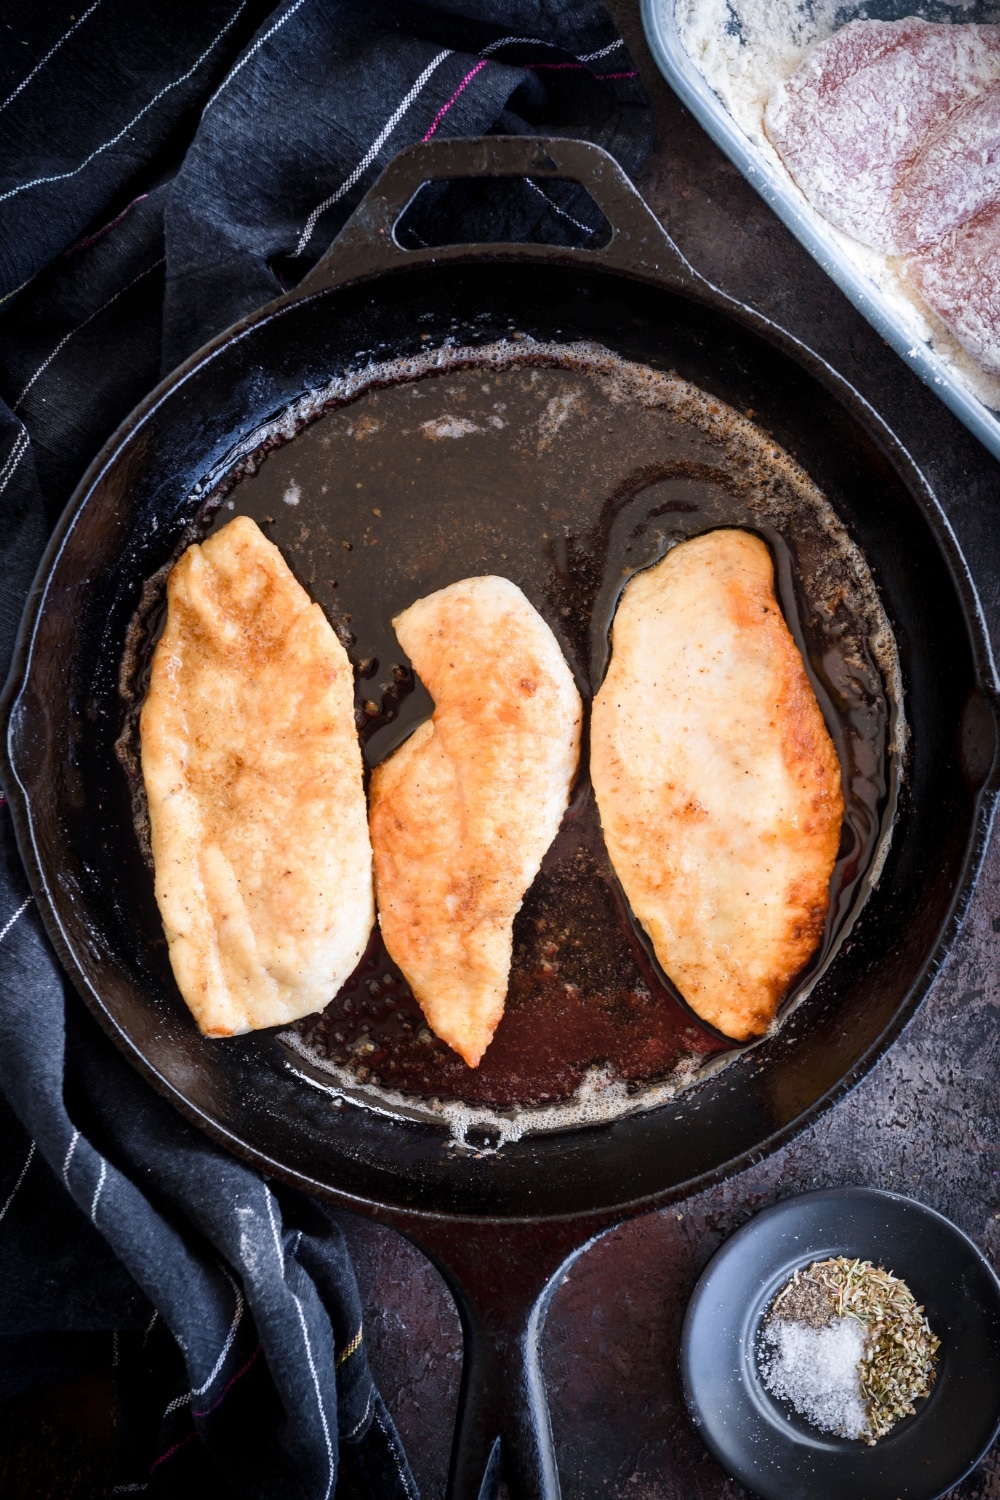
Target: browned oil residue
x=544 y=474
x=579 y=998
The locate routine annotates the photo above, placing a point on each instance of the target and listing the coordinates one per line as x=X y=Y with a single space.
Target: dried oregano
x=897 y=1366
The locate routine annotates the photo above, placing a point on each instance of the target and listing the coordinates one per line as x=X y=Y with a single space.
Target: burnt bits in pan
x=566 y=470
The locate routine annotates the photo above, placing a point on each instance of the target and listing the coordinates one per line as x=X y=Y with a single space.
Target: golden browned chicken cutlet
x=718 y=784
x=463 y=812
x=252 y=769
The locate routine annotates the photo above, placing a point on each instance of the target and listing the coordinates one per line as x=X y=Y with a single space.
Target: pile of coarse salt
x=816 y=1370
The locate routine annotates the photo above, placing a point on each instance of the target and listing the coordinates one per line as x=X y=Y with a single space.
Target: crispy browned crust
x=252 y=769
x=717 y=781
x=463 y=812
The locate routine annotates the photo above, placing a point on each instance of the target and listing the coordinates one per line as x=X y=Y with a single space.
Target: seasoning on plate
x=846 y=1343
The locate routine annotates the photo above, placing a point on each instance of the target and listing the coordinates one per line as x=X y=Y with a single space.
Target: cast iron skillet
x=501 y=1226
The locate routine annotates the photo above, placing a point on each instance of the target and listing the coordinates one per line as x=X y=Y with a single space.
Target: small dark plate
x=760 y=1440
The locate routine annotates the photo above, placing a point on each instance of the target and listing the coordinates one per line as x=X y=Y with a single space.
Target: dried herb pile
x=897 y=1366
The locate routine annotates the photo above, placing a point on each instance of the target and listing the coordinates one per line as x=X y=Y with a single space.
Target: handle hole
x=502 y=210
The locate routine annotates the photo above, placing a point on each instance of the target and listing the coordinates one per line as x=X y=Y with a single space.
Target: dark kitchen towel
x=164 y=169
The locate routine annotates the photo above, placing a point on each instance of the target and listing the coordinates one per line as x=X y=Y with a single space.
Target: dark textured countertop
x=925 y=1122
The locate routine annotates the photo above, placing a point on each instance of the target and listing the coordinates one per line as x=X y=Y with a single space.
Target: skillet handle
x=367 y=244
x=503 y=1428
x=502 y=1276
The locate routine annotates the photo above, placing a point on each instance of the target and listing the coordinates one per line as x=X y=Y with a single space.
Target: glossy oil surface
x=567 y=475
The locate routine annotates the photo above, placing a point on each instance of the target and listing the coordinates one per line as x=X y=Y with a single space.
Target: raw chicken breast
x=850 y=121
x=959 y=279
x=463 y=812
x=954 y=176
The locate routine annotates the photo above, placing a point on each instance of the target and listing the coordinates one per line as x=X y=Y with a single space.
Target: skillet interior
x=566 y=470
x=67 y=717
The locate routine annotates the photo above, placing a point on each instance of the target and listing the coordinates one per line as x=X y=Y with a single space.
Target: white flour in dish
x=743 y=48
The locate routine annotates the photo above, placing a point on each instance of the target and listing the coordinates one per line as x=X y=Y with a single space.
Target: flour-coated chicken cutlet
x=851 y=121
x=959 y=279
x=252 y=768
x=463 y=812
x=954 y=176
x=892 y=130
x=718 y=785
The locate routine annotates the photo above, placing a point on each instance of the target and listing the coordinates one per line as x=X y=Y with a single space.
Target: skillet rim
x=691 y=286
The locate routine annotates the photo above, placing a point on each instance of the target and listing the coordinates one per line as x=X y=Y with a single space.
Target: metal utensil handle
x=367 y=243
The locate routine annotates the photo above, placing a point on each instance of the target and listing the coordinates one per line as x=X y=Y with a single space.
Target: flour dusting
x=744 y=49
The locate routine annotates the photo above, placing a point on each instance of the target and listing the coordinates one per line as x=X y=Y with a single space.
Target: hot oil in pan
x=566 y=480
